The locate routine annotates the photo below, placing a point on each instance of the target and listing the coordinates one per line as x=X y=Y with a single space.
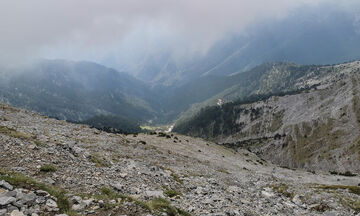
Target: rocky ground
x=51 y=167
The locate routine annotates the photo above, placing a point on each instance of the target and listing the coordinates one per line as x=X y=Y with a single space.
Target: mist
x=93 y=29
x=123 y=32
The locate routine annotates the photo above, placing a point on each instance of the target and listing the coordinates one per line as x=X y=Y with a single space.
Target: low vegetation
x=158 y=205
x=213 y=121
x=283 y=189
x=47 y=168
x=351 y=189
x=20 y=180
x=171 y=192
x=99 y=160
x=16 y=134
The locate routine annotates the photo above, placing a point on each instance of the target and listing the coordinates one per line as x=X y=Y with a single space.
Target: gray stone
x=19 y=169
x=6 y=200
x=11 y=208
x=328 y=213
x=51 y=203
x=6 y=185
x=78 y=207
x=123 y=175
x=41 y=193
x=87 y=202
x=29 y=198
x=267 y=194
x=11 y=193
x=117 y=186
x=297 y=200
x=40 y=200
x=154 y=194
x=17 y=213
x=3 y=212
x=76 y=199
x=207 y=201
x=101 y=203
x=19 y=195
x=17 y=204
x=49 y=181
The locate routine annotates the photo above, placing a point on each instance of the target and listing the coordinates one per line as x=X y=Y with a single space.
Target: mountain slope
x=268 y=78
x=102 y=173
x=77 y=91
x=314 y=128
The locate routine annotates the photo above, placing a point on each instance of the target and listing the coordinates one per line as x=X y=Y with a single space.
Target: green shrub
x=47 y=168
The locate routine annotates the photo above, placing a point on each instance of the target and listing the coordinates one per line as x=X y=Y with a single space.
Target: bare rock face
x=317 y=128
x=118 y=175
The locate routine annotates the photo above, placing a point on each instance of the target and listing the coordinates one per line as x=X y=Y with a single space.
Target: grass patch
x=354 y=204
x=351 y=189
x=174 y=175
x=20 y=180
x=38 y=143
x=322 y=138
x=108 y=194
x=171 y=193
x=16 y=134
x=153 y=206
x=277 y=121
x=223 y=170
x=283 y=189
x=99 y=161
x=164 y=206
x=47 y=168
x=176 y=178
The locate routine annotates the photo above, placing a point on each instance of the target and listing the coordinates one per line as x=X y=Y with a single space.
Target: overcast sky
x=93 y=29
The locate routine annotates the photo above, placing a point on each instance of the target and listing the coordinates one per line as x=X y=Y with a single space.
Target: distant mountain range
x=308 y=36
x=78 y=91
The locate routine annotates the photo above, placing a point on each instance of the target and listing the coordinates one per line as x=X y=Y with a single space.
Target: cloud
x=91 y=29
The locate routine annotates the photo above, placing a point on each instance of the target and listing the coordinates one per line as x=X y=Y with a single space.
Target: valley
x=180 y=108
x=150 y=174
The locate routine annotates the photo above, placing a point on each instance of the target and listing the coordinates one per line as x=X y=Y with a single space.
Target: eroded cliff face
x=317 y=129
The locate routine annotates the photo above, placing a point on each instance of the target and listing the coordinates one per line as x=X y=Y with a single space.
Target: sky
x=96 y=29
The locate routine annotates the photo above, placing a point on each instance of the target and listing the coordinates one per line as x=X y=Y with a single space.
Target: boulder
x=6 y=185
x=6 y=200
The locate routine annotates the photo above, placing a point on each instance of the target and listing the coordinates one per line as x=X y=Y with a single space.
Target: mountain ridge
x=295 y=130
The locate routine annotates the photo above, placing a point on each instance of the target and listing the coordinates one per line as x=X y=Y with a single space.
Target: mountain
x=313 y=123
x=317 y=35
x=51 y=167
x=267 y=78
x=77 y=91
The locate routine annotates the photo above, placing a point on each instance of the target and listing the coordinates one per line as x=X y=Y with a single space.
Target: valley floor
x=156 y=174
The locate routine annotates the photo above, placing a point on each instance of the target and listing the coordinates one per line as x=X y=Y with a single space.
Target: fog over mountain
x=179 y=107
x=152 y=60
x=122 y=33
